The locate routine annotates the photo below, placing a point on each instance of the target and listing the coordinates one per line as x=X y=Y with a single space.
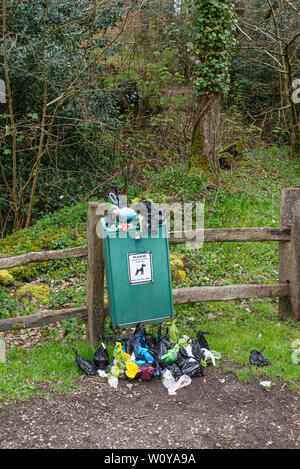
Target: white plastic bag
x=113 y=382
x=211 y=354
x=266 y=384
x=188 y=348
x=171 y=385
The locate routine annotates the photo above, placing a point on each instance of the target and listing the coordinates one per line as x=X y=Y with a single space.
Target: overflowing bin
x=138 y=275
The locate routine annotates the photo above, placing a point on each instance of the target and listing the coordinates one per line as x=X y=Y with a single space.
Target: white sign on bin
x=140 y=268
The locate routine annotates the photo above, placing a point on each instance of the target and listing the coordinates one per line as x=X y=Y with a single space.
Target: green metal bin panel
x=138 y=276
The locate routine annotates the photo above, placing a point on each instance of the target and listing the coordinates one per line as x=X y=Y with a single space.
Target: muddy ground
x=216 y=411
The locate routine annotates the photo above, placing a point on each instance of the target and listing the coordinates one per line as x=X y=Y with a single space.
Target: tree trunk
x=205 y=137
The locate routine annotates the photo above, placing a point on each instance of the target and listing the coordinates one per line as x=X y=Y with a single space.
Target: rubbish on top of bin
x=115 y=197
x=152 y=216
x=127 y=214
x=145 y=213
x=121 y=217
x=143 y=356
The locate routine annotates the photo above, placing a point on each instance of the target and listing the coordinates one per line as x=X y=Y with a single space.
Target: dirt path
x=215 y=411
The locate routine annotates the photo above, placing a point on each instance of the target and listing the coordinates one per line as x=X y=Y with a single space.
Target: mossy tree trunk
x=205 y=137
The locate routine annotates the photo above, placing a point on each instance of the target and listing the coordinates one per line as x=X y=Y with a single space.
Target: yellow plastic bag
x=131 y=369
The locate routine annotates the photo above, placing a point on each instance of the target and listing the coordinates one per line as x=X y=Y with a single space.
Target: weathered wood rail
x=42 y=256
x=95 y=310
x=210 y=235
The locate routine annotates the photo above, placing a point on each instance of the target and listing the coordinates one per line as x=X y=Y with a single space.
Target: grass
x=247 y=195
x=40 y=370
x=49 y=367
x=236 y=328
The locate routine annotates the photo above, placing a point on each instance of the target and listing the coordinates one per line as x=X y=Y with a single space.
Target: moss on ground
x=6 y=278
x=38 y=292
x=178 y=272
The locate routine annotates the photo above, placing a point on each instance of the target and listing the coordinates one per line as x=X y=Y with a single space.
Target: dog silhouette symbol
x=140 y=270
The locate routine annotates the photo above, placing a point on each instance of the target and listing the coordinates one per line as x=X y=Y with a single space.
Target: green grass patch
x=236 y=328
x=38 y=371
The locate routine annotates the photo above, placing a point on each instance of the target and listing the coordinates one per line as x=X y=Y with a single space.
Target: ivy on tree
x=211 y=27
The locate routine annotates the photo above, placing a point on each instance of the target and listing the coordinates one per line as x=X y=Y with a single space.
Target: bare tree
x=271 y=30
x=40 y=129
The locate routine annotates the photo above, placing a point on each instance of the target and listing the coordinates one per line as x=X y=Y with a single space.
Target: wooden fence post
x=289 y=253
x=295 y=266
x=95 y=278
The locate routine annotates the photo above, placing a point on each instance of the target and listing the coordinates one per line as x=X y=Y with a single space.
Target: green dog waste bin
x=138 y=275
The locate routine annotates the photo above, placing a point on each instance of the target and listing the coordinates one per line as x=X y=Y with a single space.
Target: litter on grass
x=258 y=358
x=266 y=384
x=175 y=359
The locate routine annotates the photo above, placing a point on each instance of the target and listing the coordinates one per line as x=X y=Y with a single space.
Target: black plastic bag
x=192 y=368
x=152 y=345
x=196 y=350
x=138 y=330
x=201 y=339
x=86 y=365
x=164 y=346
x=182 y=353
x=152 y=215
x=257 y=358
x=182 y=358
x=188 y=365
x=164 y=343
x=101 y=358
x=175 y=370
x=107 y=369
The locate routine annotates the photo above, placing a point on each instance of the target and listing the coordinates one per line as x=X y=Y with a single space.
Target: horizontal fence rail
x=210 y=235
x=42 y=318
x=42 y=256
x=227 y=293
x=180 y=296
x=217 y=235
x=95 y=310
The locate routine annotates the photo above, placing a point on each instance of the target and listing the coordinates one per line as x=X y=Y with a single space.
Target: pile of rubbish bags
x=172 y=357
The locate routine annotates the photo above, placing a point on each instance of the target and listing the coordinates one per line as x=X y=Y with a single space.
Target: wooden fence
x=95 y=310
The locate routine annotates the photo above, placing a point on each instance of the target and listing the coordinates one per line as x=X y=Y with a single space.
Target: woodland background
x=97 y=91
